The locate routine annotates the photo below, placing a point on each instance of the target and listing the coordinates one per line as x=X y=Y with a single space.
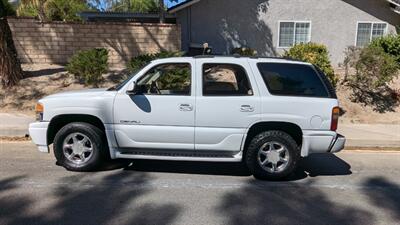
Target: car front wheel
x=272 y=155
x=80 y=147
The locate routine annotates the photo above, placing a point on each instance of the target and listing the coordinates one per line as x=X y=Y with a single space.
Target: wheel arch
x=59 y=121
x=292 y=129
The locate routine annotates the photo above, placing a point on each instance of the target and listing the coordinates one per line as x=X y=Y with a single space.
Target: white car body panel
x=215 y=123
x=154 y=121
x=220 y=123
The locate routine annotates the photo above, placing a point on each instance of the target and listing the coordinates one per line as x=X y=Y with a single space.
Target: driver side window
x=166 y=79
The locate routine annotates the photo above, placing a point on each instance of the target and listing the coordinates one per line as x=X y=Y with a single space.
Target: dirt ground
x=44 y=80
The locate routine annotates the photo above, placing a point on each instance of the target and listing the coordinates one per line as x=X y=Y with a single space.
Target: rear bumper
x=321 y=142
x=38 y=133
x=338 y=144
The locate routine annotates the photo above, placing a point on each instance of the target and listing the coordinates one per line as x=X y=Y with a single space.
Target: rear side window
x=225 y=80
x=292 y=80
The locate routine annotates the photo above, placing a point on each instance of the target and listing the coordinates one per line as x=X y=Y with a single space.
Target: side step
x=181 y=155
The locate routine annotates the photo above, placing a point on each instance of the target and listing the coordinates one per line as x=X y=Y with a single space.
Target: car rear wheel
x=272 y=155
x=80 y=147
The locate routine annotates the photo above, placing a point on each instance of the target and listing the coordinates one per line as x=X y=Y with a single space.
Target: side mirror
x=131 y=89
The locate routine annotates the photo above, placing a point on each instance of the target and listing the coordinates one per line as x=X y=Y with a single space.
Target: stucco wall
x=225 y=24
x=56 y=42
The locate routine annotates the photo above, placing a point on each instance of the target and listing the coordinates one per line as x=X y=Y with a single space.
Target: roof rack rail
x=250 y=57
x=274 y=57
x=203 y=56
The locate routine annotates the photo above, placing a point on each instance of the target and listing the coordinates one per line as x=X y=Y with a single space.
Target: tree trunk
x=10 y=66
x=162 y=11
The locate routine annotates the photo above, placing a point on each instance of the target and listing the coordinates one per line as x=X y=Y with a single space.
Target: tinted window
x=167 y=79
x=225 y=80
x=292 y=80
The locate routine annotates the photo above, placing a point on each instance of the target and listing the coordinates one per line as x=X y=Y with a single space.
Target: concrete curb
x=13 y=132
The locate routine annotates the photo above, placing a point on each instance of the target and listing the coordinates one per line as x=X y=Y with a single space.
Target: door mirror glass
x=131 y=89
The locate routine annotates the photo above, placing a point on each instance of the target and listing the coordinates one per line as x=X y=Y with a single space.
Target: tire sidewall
x=95 y=136
x=254 y=146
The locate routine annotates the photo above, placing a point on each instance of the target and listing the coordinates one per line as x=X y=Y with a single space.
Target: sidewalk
x=371 y=135
x=14 y=124
x=357 y=135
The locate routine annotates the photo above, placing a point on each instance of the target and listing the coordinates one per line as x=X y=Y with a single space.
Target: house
x=273 y=26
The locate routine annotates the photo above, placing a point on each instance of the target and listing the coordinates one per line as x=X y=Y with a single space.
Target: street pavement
x=352 y=187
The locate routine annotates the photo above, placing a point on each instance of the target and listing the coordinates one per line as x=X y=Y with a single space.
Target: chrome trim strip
x=236 y=158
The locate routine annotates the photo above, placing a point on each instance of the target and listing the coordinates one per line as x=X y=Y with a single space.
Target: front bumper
x=38 y=133
x=321 y=142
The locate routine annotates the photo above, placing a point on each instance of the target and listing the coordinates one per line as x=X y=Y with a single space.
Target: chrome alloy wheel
x=273 y=157
x=77 y=148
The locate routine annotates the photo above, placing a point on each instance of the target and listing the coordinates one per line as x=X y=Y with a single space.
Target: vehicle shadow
x=312 y=166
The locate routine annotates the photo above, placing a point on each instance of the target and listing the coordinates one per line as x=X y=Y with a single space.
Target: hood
x=78 y=93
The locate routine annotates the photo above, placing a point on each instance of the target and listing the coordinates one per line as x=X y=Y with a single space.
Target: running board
x=181 y=156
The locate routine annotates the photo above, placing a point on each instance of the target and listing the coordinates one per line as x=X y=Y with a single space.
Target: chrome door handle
x=185 y=107
x=246 y=108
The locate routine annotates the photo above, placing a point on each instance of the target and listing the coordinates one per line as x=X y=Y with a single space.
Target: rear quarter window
x=291 y=79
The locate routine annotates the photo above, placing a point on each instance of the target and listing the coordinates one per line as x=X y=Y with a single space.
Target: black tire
x=251 y=157
x=98 y=144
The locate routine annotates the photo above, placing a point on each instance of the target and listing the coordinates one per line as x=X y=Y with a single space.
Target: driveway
x=353 y=187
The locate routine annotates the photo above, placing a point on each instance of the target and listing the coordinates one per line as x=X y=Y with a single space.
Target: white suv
x=266 y=112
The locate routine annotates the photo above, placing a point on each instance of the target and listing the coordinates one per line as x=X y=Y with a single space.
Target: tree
x=64 y=10
x=10 y=66
x=162 y=10
x=53 y=10
x=137 y=6
x=32 y=8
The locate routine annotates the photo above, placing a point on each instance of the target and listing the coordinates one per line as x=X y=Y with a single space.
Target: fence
x=56 y=42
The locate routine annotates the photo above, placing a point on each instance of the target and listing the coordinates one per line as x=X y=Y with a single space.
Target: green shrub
x=136 y=63
x=316 y=54
x=371 y=71
x=244 y=51
x=390 y=44
x=89 y=65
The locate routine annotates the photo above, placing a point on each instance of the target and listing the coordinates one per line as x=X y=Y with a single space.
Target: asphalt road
x=348 y=188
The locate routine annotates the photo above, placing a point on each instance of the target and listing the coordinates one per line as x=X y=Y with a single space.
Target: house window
x=291 y=33
x=369 y=31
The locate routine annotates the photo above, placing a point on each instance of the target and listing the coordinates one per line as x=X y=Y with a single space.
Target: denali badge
x=129 y=122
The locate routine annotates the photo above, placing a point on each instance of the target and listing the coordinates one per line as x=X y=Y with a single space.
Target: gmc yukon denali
x=264 y=112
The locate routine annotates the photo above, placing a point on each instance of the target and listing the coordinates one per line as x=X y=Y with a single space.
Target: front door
x=161 y=115
x=227 y=104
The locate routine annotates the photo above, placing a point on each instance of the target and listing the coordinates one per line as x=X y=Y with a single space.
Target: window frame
x=169 y=63
x=294 y=31
x=372 y=30
x=295 y=96
x=222 y=63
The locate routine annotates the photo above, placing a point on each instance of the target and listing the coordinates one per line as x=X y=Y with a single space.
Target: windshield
x=119 y=86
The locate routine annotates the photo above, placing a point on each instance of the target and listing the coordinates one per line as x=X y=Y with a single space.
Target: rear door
x=227 y=103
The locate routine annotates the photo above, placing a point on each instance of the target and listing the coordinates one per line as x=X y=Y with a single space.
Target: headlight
x=39 y=111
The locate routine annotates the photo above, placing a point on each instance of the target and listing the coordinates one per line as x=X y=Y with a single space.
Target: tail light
x=335 y=118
